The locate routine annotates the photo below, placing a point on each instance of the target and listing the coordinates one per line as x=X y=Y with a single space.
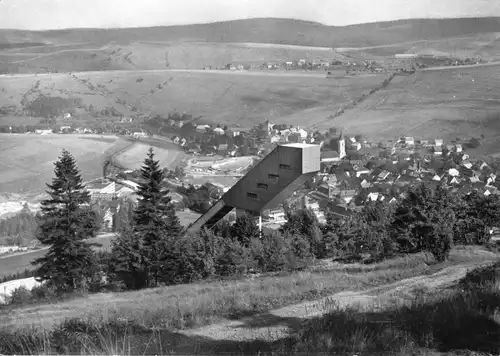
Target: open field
x=27 y=170
x=251 y=41
x=484 y=45
x=222 y=97
x=26 y=161
x=195 y=305
x=259 y=30
x=432 y=104
x=10 y=264
x=133 y=158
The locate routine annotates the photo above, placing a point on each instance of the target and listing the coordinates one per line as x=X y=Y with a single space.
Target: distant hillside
x=281 y=31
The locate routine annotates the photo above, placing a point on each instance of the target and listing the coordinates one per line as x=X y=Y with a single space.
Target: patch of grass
x=222 y=97
x=451 y=103
x=187 y=306
x=133 y=158
x=455 y=322
x=463 y=318
x=11 y=264
x=26 y=163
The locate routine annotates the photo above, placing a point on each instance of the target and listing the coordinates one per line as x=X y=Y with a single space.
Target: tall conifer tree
x=63 y=226
x=155 y=220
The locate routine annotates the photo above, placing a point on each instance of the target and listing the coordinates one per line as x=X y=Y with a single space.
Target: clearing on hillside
x=243 y=99
x=233 y=98
x=133 y=158
x=445 y=104
x=192 y=305
x=27 y=161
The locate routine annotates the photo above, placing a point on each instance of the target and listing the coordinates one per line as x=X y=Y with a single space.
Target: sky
x=57 y=14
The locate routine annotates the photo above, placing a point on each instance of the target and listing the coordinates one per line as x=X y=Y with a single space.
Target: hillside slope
x=271 y=30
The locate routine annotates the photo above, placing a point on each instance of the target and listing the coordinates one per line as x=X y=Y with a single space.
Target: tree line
x=152 y=248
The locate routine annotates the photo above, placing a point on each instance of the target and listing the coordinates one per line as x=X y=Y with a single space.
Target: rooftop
x=97 y=185
x=299 y=145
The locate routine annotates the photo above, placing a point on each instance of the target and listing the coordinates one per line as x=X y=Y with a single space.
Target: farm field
x=133 y=158
x=140 y=55
x=222 y=97
x=235 y=99
x=26 y=161
x=10 y=264
x=484 y=45
x=432 y=104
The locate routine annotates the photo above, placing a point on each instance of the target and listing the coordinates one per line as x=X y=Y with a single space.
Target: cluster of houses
x=107 y=192
x=345 y=185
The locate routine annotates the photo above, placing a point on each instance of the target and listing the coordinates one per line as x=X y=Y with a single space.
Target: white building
x=218 y=131
x=43 y=132
x=129 y=184
x=139 y=134
x=202 y=128
x=101 y=189
x=7 y=288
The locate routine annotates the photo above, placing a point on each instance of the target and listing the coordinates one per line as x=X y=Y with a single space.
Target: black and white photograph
x=250 y=177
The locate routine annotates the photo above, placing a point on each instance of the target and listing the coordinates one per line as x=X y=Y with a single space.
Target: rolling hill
x=233 y=98
x=269 y=30
x=449 y=103
x=242 y=41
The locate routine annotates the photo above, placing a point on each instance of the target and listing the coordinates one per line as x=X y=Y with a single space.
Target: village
x=354 y=171
x=353 y=64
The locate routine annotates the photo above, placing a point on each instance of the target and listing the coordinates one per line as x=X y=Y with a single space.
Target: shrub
x=233 y=260
x=20 y=295
x=271 y=252
x=299 y=254
x=189 y=261
x=43 y=293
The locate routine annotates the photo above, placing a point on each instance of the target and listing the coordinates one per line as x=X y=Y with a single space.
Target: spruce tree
x=126 y=259
x=68 y=263
x=155 y=220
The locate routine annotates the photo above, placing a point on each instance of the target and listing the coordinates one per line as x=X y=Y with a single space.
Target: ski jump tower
x=267 y=184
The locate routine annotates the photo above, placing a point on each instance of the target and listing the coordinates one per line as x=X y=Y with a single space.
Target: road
x=227 y=72
x=275 y=324
x=18 y=262
x=491 y=64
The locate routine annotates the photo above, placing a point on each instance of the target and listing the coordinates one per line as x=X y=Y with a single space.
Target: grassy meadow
x=236 y=99
x=445 y=104
x=27 y=161
x=193 y=305
x=419 y=317
x=133 y=158
x=11 y=264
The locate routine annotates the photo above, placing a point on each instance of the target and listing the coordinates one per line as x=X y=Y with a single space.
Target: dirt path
x=280 y=323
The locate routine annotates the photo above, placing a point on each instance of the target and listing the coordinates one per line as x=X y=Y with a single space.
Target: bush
x=189 y=261
x=43 y=293
x=299 y=255
x=439 y=244
x=20 y=295
x=233 y=260
x=271 y=252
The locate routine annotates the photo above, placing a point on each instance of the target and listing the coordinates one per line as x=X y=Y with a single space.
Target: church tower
x=341 y=148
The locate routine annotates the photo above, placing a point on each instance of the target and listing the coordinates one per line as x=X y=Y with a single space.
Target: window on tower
x=252 y=195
